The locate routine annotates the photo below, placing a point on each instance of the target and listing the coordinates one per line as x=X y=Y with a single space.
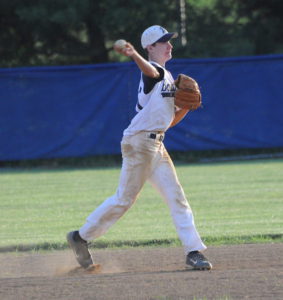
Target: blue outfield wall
x=52 y=112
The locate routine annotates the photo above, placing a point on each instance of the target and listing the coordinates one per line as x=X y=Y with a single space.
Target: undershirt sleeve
x=150 y=82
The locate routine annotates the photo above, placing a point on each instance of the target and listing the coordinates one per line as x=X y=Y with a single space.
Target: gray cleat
x=80 y=248
x=198 y=261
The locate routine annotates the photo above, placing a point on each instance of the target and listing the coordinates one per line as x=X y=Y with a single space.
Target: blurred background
x=61 y=81
x=64 y=32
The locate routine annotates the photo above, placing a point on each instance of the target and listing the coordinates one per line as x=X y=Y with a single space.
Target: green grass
x=233 y=202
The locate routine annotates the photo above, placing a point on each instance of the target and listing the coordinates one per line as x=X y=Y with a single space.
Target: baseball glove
x=187 y=94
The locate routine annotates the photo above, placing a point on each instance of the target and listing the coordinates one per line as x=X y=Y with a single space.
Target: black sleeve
x=150 y=82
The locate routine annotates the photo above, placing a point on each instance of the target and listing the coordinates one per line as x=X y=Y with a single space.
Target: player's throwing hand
x=123 y=47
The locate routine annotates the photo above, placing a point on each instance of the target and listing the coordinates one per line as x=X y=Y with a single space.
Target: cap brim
x=167 y=37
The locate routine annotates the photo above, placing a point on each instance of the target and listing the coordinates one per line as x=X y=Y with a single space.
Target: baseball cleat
x=198 y=261
x=80 y=248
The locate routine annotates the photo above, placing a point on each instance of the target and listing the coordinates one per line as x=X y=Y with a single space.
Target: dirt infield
x=240 y=272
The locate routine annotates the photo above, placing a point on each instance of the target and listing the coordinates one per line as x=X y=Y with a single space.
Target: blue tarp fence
x=75 y=111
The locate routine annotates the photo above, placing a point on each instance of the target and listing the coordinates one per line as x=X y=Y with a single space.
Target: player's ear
x=149 y=48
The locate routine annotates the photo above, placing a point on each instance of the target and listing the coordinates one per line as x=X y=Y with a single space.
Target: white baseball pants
x=144 y=159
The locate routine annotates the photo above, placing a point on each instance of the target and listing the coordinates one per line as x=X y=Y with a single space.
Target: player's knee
x=126 y=202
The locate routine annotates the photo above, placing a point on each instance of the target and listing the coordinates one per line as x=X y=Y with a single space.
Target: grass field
x=232 y=202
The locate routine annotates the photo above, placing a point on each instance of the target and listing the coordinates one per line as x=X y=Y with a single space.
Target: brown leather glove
x=187 y=94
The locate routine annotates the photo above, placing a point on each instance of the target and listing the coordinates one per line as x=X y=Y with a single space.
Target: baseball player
x=144 y=155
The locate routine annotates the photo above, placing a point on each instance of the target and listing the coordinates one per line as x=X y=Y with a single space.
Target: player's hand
x=127 y=50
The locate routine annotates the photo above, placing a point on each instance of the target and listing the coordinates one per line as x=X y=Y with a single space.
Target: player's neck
x=161 y=62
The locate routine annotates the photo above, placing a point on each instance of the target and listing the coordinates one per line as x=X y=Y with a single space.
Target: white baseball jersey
x=155 y=107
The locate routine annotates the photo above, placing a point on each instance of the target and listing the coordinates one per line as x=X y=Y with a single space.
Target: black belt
x=155 y=136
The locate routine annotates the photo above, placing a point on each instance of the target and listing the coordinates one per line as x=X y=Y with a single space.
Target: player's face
x=161 y=51
x=164 y=50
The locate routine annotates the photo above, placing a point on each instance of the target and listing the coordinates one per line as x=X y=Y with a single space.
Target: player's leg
x=165 y=180
x=132 y=178
x=138 y=154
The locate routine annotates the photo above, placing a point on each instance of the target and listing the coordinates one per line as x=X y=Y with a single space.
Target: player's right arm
x=146 y=68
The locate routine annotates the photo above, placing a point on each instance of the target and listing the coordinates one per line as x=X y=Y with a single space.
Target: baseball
x=120 y=44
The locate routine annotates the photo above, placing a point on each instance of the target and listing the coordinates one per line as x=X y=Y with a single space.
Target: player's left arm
x=179 y=116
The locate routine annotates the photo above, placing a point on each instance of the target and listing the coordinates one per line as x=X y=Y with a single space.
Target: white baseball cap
x=154 y=34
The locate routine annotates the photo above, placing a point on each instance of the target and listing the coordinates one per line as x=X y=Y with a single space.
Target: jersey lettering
x=168 y=89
